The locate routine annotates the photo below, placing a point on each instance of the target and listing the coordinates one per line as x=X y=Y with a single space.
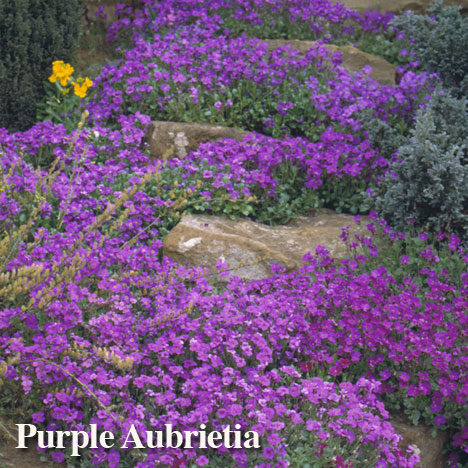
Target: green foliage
x=382 y=45
x=429 y=185
x=244 y=104
x=277 y=24
x=384 y=137
x=64 y=97
x=405 y=256
x=345 y=194
x=274 y=23
x=304 y=452
x=196 y=194
x=292 y=198
x=34 y=33
x=438 y=40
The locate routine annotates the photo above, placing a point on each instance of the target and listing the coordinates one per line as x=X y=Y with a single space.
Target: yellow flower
x=82 y=86
x=61 y=71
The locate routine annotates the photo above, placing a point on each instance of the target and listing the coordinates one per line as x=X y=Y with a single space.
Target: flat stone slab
x=353 y=59
x=178 y=139
x=251 y=248
x=397 y=6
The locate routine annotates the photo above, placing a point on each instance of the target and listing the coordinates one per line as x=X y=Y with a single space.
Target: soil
x=94 y=50
x=11 y=457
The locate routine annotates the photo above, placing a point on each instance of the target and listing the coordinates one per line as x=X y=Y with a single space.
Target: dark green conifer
x=33 y=33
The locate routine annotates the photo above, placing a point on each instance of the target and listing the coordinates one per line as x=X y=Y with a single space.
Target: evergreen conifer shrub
x=428 y=186
x=33 y=33
x=439 y=40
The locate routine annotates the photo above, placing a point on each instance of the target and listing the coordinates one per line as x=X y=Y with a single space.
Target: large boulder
x=177 y=139
x=429 y=448
x=397 y=6
x=353 y=59
x=251 y=248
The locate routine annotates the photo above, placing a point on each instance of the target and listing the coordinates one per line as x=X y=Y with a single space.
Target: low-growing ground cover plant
x=97 y=328
x=286 y=177
x=314 y=19
x=317 y=349
x=85 y=343
x=191 y=76
x=87 y=322
x=431 y=265
x=320 y=20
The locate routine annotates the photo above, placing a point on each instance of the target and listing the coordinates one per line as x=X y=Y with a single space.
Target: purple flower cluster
x=255 y=160
x=185 y=356
x=103 y=331
x=170 y=77
x=317 y=17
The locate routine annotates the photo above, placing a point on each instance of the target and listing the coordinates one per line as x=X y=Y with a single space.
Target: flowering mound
x=174 y=75
x=317 y=19
x=192 y=76
x=150 y=350
x=97 y=328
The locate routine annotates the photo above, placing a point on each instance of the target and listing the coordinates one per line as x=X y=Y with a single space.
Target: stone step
x=202 y=240
x=353 y=59
x=178 y=139
x=398 y=6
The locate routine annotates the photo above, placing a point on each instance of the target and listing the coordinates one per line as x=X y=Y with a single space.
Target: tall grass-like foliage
x=34 y=33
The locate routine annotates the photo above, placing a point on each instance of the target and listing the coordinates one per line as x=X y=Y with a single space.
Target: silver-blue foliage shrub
x=428 y=184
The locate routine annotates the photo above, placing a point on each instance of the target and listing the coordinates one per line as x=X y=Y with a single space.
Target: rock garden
x=237 y=213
